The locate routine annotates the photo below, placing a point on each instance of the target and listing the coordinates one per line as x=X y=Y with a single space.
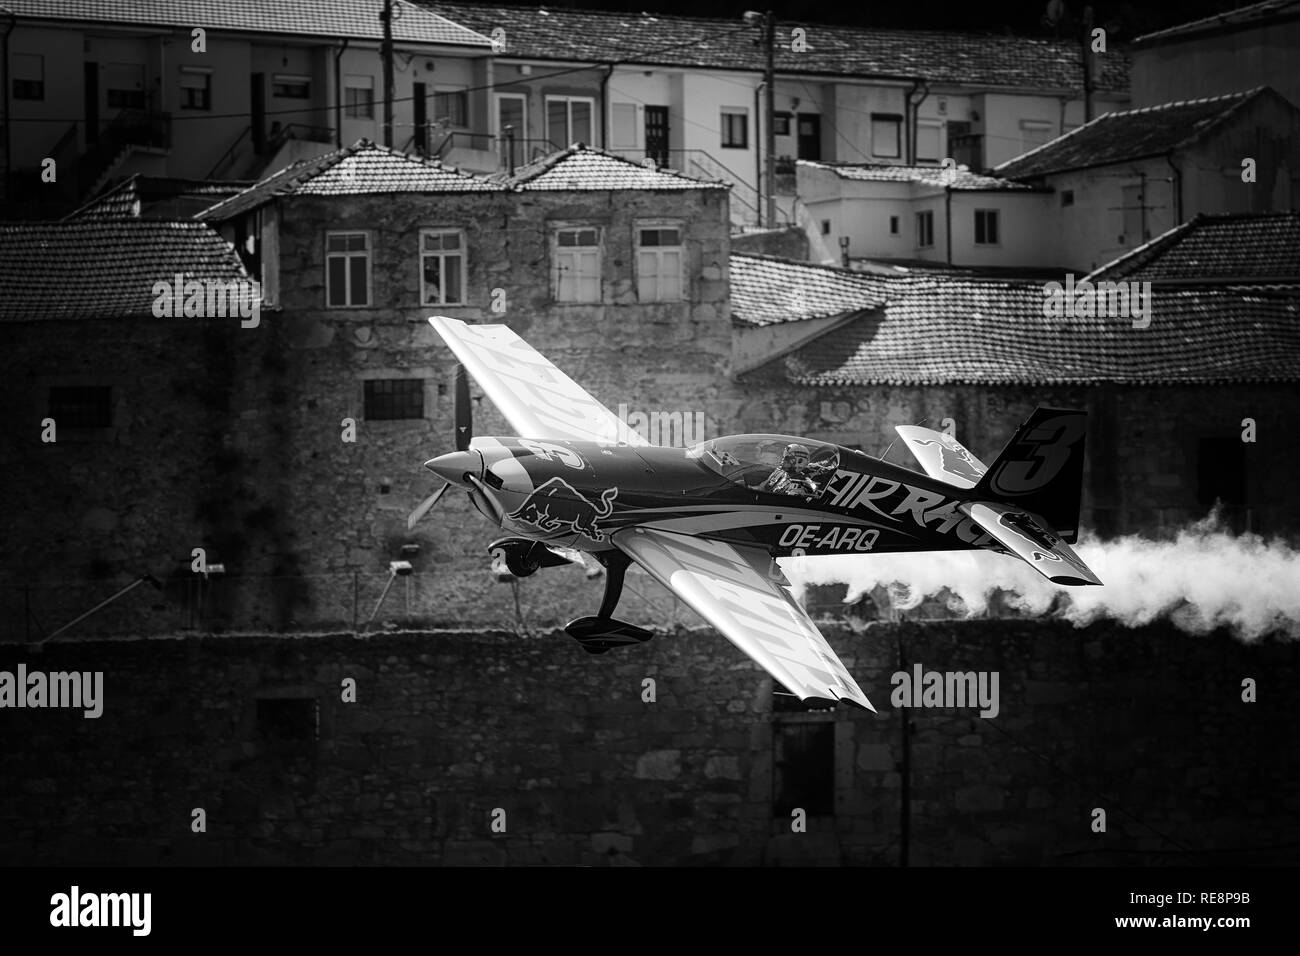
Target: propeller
x=463 y=410
x=463 y=415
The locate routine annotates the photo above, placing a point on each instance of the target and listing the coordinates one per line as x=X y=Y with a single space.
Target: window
x=781 y=124
x=359 y=96
x=929 y=138
x=986 y=227
x=390 y=399
x=125 y=86
x=804 y=768
x=1034 y=133
x=442 y=267
x=893 y=225
x=925 y=229
x=1067 y=197
x=196 y=88
x=29 y=76
x=659 y=264
x=886 y=135
x=568 y=119
x=290 y=86
x=577 y=265
x=347 y=269
x=735 y=129
x=826 y=227
x=451 y=107
x=512 y=111
x=81 y=406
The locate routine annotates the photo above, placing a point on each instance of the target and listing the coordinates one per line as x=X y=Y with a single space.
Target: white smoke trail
x=1203 y=579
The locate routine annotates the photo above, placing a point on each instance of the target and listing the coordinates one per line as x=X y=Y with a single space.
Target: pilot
x=790 y=478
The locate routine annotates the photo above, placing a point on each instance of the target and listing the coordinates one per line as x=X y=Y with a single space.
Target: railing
x=130 y=127
x=312 y=134
x=228 y=157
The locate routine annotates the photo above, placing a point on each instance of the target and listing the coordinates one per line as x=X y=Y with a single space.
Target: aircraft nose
x=453 y=466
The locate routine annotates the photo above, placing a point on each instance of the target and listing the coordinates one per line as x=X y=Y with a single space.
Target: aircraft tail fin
x=1041 y=470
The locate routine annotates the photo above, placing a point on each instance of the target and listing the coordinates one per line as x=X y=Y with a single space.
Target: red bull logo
x=556 y=507
x=956 y=461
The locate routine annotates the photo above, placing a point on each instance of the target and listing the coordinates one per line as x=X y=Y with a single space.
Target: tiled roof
x=969 y=332
x=1243 y=247
x=937 y=330
x=1257 y=14
x=986 y=60
x=89 y=269
x=354 y=170
x=958 y=178
x=1128 y=135
x=582 y=167
x=356 y=19
x=768 y=290
x=157 y=197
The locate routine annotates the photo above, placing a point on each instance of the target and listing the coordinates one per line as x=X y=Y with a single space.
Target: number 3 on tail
x=1039 y=456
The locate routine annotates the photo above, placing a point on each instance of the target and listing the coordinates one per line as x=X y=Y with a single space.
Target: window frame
x=557 y=277
x=347 y=255
x=435 y=115
x=568 y=101
x=897 y=120
x=641 y=226
x=362 y=110
x=419 y=389
x=925 y=216
x=205 y=100
x=725 y=130
x=284 y=81
x=462 y=253
x=30 y=90
x=996 y=219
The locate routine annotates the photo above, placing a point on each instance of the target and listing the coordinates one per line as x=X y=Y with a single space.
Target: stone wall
x=448 y=728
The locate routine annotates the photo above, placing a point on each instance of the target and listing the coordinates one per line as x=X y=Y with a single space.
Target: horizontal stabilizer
x=1029 y=538
x=943 y=457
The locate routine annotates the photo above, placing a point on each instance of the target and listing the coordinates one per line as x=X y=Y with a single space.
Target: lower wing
x=729 y=587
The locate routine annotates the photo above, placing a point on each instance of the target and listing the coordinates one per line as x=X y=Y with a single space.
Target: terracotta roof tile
x=582 y=167
x=1245 y=247
x=103 y=269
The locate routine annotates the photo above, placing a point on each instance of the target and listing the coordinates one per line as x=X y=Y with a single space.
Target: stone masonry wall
x=449 y=727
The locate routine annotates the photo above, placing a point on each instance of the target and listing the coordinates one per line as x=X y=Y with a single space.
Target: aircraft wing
x=729 y=587
x=536 y=398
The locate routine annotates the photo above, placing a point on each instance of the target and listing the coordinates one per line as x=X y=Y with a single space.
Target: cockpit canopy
x=777 y=464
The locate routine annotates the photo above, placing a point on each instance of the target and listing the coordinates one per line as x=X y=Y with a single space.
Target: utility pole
x=1087 y=63
x=769 y=121
x=386 y=53
x=7 y=20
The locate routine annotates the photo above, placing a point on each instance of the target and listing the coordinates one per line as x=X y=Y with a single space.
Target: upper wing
x=536 y=398
x=943 y=457
x=729 y=587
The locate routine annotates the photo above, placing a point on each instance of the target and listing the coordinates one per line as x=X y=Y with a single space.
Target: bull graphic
x=956 y=461
x=556 y=506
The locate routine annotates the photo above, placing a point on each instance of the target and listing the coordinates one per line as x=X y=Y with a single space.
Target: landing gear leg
x=600 y=633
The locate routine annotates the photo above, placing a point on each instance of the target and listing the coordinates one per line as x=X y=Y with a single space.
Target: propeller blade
x=464 y=412
x=424 y=507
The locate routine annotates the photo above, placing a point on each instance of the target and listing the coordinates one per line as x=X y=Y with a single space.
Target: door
x=420 y=103
x=257 y=111
x=656 y=134
x=810 y=136
x=512 y=128
x=91 y=100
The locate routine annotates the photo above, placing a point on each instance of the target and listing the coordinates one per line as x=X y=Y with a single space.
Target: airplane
x=709 y=521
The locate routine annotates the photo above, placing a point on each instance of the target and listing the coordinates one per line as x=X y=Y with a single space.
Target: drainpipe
x=913 y=112
x=8 y=19
x=947 y=216
x=1178 y=188
x=604 y=106
x=338 y=96
x=759 y=90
